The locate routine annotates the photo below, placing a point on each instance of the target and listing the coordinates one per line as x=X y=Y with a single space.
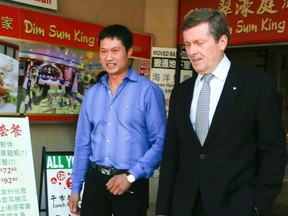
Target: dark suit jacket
x=242 y=162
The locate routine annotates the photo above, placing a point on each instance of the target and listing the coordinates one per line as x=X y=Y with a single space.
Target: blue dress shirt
x=124 y=131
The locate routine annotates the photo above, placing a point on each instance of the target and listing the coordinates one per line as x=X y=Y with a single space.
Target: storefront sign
x=45 y=28
x=263 y=21
x=18 y=193
x=49 y=4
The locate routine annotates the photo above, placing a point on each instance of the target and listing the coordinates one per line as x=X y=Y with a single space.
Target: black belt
x=107 y=170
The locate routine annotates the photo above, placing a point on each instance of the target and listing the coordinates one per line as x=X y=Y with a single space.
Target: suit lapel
x=189 y=89
x=232 y=88
x=185 y=100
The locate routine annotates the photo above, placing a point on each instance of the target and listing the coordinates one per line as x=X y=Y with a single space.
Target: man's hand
x=73 y=204
x=118 y=184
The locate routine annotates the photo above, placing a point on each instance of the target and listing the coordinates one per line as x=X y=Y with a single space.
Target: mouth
x=196 y=60
x=111 y=65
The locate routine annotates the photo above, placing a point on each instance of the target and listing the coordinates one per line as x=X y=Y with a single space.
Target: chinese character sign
x=30 y=25
x=250 y=21
x=18 y=195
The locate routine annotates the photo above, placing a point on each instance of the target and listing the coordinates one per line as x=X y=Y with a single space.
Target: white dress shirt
x=216 y=85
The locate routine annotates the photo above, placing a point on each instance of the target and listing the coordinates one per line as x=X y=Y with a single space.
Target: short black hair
x=117 y=31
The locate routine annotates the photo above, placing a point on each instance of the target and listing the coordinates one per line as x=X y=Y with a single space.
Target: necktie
x=202 y=112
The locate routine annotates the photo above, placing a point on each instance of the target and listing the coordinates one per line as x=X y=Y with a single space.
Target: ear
x=223 y=42
x=130 y=51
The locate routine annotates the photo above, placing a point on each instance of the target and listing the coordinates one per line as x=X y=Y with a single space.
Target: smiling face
x=113 y=56
x=203 y=51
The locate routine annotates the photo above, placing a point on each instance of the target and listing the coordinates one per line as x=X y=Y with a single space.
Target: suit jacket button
x=202 y=156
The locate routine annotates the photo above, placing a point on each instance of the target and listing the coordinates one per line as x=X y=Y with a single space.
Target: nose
x=191 y=50
x=109 y=56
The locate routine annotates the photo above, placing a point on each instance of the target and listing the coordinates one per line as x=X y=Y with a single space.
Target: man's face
x=203 y=51
x=113 y=56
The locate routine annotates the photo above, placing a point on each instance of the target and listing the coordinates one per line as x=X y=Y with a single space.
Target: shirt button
x=109 y=123
x=202 y=156
x=111 y=107
x=108 y=140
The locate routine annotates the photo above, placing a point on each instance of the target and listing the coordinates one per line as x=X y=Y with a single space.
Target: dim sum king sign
x=261 y=21
x=45 y=28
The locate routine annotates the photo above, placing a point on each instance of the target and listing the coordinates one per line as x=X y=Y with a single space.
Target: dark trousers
x=198 y=206
x=98 y=201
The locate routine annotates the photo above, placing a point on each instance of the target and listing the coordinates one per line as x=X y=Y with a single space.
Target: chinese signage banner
x=262 y=21
x=45 y=28
x=49 y=4
x=18 y=194
x=56 y=184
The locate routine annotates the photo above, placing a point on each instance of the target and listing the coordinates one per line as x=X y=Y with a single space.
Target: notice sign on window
x=18 y=194
x=49 y=4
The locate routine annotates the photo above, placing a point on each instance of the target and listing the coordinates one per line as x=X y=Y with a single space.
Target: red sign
x=39 y=27
x=9 y=21
x=262 y=21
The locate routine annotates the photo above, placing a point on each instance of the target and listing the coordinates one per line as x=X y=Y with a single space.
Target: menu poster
x=56 y=183
x=18 y=194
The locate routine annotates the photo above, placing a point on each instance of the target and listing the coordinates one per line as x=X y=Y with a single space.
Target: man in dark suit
x=237 y=169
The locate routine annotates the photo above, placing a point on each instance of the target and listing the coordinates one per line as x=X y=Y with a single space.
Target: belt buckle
x=105 y=171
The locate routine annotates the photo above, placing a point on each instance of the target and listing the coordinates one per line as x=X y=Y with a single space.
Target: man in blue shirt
x=120 y=134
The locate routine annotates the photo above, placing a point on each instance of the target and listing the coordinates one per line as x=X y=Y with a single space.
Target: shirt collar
x=220 y=72
x=131 y=75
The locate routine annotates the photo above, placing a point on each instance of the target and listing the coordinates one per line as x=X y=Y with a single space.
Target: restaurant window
x=8 y=49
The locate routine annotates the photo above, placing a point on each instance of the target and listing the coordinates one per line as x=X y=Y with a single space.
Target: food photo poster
x=40 y=78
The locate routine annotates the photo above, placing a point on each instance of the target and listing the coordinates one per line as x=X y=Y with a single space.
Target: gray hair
x=218 y=24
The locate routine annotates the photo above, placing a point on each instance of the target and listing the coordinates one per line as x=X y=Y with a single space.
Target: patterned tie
x=202 y=113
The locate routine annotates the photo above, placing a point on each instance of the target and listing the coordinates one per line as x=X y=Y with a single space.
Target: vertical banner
x=56 y=183
x=18 y=195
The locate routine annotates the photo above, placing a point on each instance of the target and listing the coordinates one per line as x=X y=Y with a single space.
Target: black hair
x=117 y=31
